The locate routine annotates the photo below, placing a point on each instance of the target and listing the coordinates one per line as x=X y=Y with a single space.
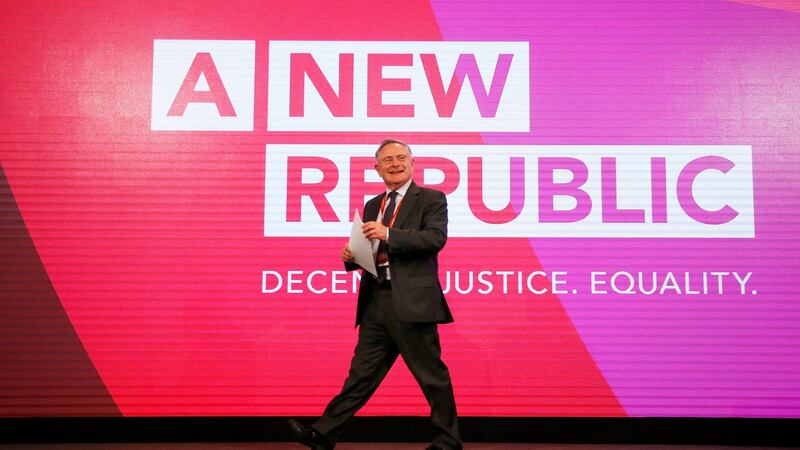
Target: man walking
x=398 y=311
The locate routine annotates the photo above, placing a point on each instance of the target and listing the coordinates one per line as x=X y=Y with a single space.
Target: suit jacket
x=418 y=234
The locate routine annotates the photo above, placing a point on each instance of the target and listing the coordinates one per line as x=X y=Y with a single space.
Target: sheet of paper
x=361 y=247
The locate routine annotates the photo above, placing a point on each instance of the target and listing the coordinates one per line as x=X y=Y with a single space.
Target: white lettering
x=543 y=204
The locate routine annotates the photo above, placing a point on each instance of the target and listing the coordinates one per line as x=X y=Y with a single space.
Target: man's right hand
x=346 y=255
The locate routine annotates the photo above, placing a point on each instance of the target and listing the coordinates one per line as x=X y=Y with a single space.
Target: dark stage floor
x=361 y=446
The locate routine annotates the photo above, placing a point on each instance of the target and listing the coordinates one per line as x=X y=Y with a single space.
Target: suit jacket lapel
x=407 y=205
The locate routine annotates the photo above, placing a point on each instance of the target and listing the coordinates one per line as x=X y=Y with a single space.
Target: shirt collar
x=401 y=191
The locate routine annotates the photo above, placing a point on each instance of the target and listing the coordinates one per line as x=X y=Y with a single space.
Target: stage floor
x=359 y=446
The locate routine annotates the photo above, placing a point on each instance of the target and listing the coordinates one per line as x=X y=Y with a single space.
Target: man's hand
x=346 y=255
x=374 y=230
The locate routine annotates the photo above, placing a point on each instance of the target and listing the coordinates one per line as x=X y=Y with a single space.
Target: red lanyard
x=396 y=209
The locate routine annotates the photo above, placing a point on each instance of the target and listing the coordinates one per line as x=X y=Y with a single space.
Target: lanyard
x=396 y=209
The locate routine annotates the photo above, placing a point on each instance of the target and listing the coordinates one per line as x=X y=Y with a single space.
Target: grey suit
x=401 y=317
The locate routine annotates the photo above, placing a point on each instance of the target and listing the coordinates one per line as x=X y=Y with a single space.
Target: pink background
x=132 y=258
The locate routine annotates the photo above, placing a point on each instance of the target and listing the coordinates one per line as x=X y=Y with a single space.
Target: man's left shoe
x=309 y=436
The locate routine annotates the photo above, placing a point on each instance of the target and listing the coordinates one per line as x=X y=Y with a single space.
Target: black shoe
x=436 y=447
x=309 y=436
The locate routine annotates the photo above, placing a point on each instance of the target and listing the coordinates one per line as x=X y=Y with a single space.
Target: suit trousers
x=381 y=338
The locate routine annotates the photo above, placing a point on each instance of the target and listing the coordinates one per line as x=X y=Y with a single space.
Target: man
x=398 y=311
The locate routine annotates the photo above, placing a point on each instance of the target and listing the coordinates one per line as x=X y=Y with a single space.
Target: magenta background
x=698 y=72
x=131 y=258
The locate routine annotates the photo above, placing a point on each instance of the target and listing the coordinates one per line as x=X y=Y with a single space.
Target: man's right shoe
x=309 y=436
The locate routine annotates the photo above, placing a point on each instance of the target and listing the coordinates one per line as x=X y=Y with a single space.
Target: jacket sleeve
x=431 y=236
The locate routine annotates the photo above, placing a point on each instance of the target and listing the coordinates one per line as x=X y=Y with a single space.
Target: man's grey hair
x=386 y=142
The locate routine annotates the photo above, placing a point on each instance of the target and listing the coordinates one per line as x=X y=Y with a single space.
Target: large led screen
x=179 y=178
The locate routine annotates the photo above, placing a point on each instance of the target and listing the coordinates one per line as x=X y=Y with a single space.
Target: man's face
x=395 y=165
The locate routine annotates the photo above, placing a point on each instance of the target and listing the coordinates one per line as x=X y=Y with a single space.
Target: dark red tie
x=389 y=212
x=383 y=249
